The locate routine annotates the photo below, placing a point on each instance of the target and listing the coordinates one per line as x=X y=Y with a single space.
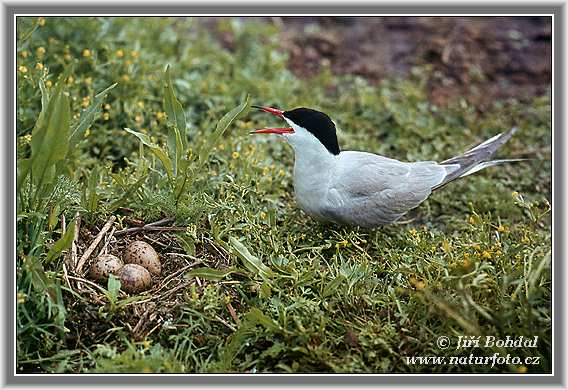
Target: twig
x=73 y=263
x=182 y=255
x=233 y=314
x=142 y=322
x=154 y=226
x=87 y=282
x=66 y=277
x=107 y=240
x=181 y=270
x=225 y=323
x=93 y=245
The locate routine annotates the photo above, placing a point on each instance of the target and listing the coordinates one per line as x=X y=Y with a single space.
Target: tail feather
x=474 y=159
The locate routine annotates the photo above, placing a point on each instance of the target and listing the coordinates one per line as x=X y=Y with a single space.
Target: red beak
x=275 y=130
x=273 y=111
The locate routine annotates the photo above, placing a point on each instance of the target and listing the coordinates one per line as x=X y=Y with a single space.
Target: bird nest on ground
x=91 y=312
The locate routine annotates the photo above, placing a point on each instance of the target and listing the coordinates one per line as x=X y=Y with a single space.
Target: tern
x=359 y=188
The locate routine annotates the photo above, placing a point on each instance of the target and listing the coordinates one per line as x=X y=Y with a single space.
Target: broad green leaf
x=44 y=95
x=258 y=317
x=175 y=148
x=231 y=116
x=113 y=288
x=22 y=170
x=222 y=126
x=88 y=116
x=251 y=262
x=144 y=138
x=208 y=273
x=61 y=244
x=50 y=136
x=173 y=108
x=159 y=152
x=91 y=197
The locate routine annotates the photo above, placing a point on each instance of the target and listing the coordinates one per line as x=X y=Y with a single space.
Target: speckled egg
x=105 y=265
x=142 y=253
x=134 y=278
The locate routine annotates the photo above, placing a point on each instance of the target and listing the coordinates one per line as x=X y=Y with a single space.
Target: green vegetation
x=105 y=129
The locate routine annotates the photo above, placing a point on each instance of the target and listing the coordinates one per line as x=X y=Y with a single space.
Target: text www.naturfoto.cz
x=492 y=360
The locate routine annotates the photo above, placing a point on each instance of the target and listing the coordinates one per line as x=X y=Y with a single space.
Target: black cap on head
x=317 y=123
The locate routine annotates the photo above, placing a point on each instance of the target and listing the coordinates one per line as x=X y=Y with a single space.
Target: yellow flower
x=265 y=171
x=525 y=240
x=476 y=247
x=88 y=80
x=134 y=54
x=147 y=370
x=342 y=244
x=40 y=51
x=48 y=83
x=235 y=155
x=119 y=53
x=160 y=115
x=27 y=138
x=140 y=104
x=125 y=78
x=67 y=57
x=262 y=215
x=39 y=66
x=472 y=220
x=106 y=116
x=86 y=53
x=502 y=229
x=281 y=172
x=486 y=255
x=21 y=297
x=466 y=263
x=446 y=247
x=420 y=285
x=24 y=54
x=107 y=106
x=86 y=101
x=522 y=369
x=87 y=132
x=514 y=194
x=138 y=118
x=41 y=21
x=22 y=69
x=413 y=232
x=70 y=80
x=128 y=62
x=146 y=344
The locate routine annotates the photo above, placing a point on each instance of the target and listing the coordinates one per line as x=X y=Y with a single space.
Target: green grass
x=472 y=260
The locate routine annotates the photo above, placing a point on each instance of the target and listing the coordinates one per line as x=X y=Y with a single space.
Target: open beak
x=274 y=130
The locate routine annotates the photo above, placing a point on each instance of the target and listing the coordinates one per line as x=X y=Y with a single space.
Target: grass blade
x=208 y=273
x=50 y=136
x=89 y=116
x=61 y=244
x=251 y=262
x=172 y=106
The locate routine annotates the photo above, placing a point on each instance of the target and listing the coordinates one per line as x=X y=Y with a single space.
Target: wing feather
x=368 y=186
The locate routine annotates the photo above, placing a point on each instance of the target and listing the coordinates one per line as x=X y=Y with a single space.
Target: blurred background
x=481 y=58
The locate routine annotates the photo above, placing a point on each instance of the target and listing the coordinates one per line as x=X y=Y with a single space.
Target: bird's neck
x=313 y=168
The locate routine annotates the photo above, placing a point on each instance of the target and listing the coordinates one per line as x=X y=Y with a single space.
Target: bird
x=359 y=188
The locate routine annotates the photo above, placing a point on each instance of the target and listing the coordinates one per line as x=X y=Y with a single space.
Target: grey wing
x=376 y=190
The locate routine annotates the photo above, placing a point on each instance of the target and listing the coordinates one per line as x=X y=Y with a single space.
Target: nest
x=150 y=310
